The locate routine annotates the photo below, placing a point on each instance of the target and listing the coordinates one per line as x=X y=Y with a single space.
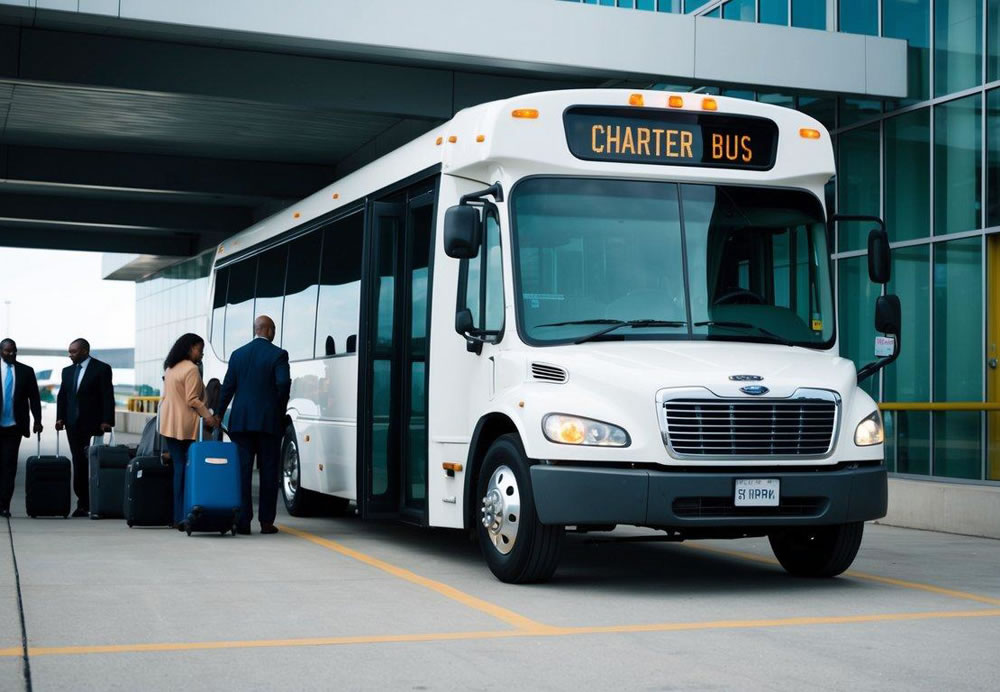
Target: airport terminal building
x=202 y=118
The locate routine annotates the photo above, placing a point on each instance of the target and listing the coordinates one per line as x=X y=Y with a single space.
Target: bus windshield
x=624 y=259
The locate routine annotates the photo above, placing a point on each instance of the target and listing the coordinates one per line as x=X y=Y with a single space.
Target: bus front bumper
x=574 y=495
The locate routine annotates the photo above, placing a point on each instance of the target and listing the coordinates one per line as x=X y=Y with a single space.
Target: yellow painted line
x=917 y=586
x=500 y=634
x=508 y=616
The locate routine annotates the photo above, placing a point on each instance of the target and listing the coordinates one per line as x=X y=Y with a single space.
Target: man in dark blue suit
x=18 y=393
x=259 y=379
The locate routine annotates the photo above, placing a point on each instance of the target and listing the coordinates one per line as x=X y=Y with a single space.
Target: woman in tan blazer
x=182 y=409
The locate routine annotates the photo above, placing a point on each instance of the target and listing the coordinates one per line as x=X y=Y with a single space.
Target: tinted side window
x=271 y=287
x=340 y=286
x=301 y=290
x=493 y=308
x=217 y=337
x=239 y=304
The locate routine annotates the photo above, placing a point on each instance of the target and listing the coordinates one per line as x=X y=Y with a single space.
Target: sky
x=56 y=296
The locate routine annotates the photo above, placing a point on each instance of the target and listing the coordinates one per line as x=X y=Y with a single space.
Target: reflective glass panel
x=993 y=40
x=857 y=316
x=907 y=175
x=858 y=184
x=301 y=292
x=958 y=45
x=809 y=14
x=911 y=20
x=957 y=165
x=340 y=287
x=993 y=158
x=958 y=357
x=742 y=10
x=859 y=17
x=217 y=338
x=774 y=12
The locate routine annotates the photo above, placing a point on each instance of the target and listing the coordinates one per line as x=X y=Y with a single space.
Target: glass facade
x=170 y=303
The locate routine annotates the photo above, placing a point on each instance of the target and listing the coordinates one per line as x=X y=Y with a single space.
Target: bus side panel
x=324 y=405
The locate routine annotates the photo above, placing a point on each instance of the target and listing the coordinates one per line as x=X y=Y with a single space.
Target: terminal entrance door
x=392 y=459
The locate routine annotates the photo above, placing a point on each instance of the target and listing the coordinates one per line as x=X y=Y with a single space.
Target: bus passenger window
x=239 y=304
x=340 y=281
x=301 y=292
x=270 y=294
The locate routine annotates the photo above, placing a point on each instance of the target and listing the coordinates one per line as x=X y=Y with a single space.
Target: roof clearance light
x=480 y=138
x=709 y=105
x=636 y=100
x=296 y=215
x=530 y=113
x=676 y=101
x=439 y=140
x=336 y=195
x=809 y=133
x=452 y=139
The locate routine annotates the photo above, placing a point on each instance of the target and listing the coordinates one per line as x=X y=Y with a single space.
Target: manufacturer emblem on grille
x=745 y=378
x=755 y=390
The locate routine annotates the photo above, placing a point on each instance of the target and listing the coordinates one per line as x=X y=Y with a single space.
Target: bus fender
x=491 y=426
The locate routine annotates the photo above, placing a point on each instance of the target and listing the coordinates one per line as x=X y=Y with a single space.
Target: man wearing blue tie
x=259 y=379
x=20 y=390
x=85 y=407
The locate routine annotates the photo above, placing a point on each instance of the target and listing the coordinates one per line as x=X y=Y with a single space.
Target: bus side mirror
x=888 y=319
x=461 y=231
x=879 y=257
x=465 y=326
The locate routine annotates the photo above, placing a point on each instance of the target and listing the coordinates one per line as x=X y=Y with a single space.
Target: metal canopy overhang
x=161 y=127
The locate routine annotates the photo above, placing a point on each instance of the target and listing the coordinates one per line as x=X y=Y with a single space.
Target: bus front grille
x=754 y=429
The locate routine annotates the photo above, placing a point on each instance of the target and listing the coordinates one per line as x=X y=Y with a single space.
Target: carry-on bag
x=211 y=486
x=47 y=482
x=107 y=464
x=149 y=486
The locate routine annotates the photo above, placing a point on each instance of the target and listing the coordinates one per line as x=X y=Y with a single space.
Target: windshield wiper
x=615 y=324
x=745 y=325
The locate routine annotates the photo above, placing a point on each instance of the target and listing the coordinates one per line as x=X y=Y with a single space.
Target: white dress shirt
x=83 y=369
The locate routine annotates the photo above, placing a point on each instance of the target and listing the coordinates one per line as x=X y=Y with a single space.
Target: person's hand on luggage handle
x=38 y=427
x=214 y=422
x=106 y=427
x=60 y=424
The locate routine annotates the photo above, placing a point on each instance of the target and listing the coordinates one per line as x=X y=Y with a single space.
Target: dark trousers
x=10 y=445
x=266 y=448
x=78 y=443
x=178 y=457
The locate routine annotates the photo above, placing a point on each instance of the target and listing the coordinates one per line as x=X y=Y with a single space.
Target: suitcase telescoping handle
x=39 y=439
x=216 y=433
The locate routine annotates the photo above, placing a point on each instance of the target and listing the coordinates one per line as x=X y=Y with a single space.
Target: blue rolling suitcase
x=211 y=486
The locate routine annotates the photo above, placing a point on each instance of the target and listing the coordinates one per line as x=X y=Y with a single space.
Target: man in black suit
x=259 y=379
x=85 y=407
x=20 y=390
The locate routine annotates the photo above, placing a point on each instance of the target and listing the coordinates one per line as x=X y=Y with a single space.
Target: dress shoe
x=5 y=513
x=243 y=530
x=81 y=513
x=268 y=528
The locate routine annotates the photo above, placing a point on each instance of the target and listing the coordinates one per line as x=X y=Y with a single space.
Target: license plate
x=756 y=492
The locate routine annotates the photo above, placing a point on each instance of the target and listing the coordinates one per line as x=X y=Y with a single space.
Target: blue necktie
x=8 y=397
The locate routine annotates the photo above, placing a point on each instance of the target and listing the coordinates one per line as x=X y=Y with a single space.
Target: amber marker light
x=636 y=100
x=296 y=215
x=480 y=138
x=453 y=139
x=809 y=133
x=709 y=105
x=451 y=466
x=336 y=195
x=676 y=101
x=439 y=140
x=529 y=113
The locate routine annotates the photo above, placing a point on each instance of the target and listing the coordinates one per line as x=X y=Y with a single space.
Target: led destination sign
x=673 y=138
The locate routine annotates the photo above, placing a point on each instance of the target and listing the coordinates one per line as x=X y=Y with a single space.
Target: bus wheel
x=298 y=501
x=818 y=551
x=517 y=547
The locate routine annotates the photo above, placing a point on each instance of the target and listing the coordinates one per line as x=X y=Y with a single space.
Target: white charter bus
x=574 y=309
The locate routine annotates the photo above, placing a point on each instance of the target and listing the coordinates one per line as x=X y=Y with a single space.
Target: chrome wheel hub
x=290 y=471
x=501 y=509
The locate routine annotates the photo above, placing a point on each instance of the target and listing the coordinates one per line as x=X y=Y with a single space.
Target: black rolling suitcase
x=47 y=481
x=149 y=490
x=107 y=464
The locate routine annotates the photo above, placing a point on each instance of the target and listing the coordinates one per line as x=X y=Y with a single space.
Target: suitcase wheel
x=33 y=516
x=129 y=524
x=223 y=532
x=188 y=532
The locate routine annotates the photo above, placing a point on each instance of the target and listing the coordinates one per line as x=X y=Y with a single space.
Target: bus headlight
x=869 y=431
x=574 y=430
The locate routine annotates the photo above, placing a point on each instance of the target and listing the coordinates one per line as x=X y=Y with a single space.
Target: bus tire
x=298 y=501
x=817 y=551
x=517 y=547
